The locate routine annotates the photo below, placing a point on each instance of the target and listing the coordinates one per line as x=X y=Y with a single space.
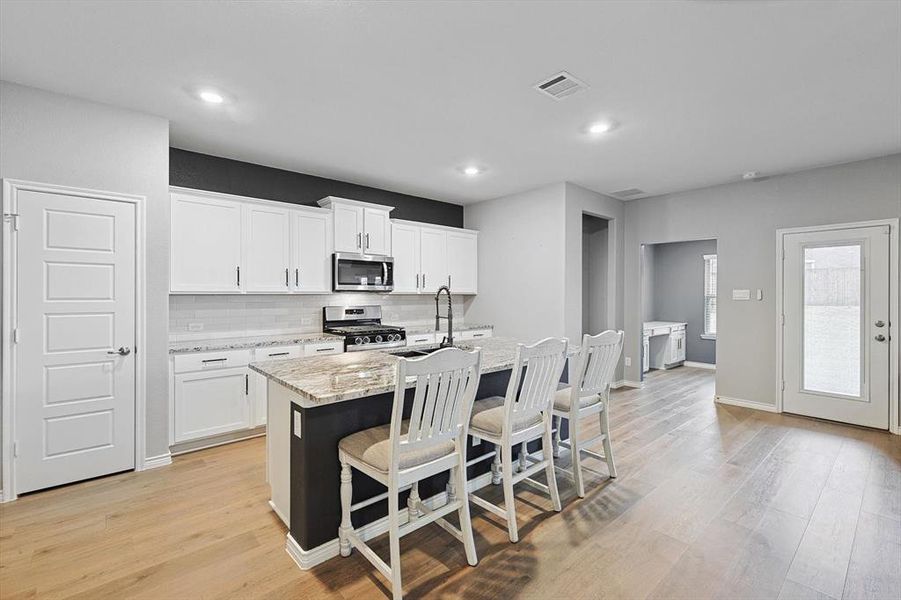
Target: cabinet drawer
x=420 y=338
x=660 y=331
x=476 y=334
x=323 y=348
x=278 y=352
x=205 y=361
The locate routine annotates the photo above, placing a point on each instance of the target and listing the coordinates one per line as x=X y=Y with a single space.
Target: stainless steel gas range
x=362 y=327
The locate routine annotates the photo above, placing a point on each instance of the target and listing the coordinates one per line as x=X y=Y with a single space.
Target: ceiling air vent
x=627 y=193
x=560 y=86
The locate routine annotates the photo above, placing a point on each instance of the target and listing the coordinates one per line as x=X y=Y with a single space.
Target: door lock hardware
x=880 y=338
x=879 y=323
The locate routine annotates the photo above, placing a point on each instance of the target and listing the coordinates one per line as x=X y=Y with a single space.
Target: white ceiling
x=400 y=94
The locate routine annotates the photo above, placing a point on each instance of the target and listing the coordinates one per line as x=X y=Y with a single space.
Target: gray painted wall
x=678 y=293
x=743 y=217
x=51 y=138
x=648 y=255
x=595 y=254
x=521 y=251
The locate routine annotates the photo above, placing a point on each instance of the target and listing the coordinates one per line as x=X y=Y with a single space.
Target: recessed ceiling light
x=471 y=170
x=600 y=127
x=211 y=97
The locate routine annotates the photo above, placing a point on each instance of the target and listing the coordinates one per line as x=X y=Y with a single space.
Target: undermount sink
x=415 y=353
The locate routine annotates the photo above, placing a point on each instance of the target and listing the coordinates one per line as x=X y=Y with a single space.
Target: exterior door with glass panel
x=836 y=325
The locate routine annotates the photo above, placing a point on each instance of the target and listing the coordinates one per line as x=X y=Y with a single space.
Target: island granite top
x=322 y=380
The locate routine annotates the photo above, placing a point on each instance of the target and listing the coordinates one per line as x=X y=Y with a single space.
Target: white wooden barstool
x=402 y=453
x=590 y=395
x=521 y=416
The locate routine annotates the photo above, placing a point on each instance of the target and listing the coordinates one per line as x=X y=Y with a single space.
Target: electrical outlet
x=306 y=321
x=297 y=424
x=195 y=326
x=628 y=361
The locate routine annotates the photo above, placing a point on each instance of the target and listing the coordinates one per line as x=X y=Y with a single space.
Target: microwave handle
x=384 y=273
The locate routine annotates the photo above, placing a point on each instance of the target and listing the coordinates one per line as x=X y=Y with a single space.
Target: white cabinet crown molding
x=434 y=226
x=175 y=189
x=329 y=201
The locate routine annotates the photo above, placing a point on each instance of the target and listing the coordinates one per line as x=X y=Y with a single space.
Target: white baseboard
x=284 y=519
x=307 y=559
x=626 y=383
x=700 y=365
x=153 y=462
x=746 y=403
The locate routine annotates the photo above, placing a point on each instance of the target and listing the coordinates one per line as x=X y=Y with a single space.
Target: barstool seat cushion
x=488 y=417
x=563 y=400
x=372 y=446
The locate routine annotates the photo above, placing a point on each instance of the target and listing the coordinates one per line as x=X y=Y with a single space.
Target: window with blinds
x=710 y=295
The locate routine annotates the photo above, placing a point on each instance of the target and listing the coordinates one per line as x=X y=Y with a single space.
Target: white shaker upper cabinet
x=376 y=232
x=405 y=241
x=267 y=249
x=348 y=228
x=463 y=261
x=434 y=259
x=311 y=252
x=205 y=244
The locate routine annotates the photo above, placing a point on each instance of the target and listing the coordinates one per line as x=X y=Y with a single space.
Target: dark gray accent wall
x=678 y=292
x=217 y=174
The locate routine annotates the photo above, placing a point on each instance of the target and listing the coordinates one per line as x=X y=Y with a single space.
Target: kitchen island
x=314 y=402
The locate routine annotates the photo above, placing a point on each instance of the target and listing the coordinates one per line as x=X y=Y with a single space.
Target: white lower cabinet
x=419 y=339
x=211 y=402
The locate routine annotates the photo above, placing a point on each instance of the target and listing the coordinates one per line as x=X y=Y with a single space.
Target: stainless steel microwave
x=362 y=272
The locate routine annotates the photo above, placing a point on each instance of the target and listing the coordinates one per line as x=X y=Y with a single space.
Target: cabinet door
x=376 y=232
x=348 y=228
x=311 y=253
x=463 y=262
x=205 y=244
x=267 y=248
x=211 y=402
x=405 y=240
x=433 y=248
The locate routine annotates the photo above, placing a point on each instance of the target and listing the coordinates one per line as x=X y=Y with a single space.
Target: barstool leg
x=346 y=495
x=463 y=513
x=397 y=591
x=608 y=446
x=507 y=460
x=549 y=467
x=576 y=456
x=413 y=502
x=496 y=465
x=558 y=421
x=523 y=463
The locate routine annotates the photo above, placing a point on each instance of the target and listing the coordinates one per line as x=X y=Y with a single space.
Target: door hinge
x=16 y=335
x=16 y=449
x=12 y=218
x=783 y=385
x=783 y=320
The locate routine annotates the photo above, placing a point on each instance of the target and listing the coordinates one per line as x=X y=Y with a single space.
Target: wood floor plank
x=712 y=501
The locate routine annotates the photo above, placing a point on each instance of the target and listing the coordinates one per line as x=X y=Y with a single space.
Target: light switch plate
x=760 y=294
x=741 y=294
x=195 y=326
x=297 y=424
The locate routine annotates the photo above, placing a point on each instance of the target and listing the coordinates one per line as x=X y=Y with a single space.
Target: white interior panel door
x=836 y=331
x=75 y=401
x=267 y=249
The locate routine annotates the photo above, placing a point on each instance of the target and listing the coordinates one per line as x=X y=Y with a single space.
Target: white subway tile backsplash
x=241 y=315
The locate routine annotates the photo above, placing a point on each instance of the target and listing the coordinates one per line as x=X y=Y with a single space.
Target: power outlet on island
x=628 y=361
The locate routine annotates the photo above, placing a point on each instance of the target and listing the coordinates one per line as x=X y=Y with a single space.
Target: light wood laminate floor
x=712 y=502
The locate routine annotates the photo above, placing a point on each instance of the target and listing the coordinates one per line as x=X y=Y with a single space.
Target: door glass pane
x=832 y=316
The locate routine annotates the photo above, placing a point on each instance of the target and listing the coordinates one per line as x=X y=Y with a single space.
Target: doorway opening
x=678 y=305
x=595 y=258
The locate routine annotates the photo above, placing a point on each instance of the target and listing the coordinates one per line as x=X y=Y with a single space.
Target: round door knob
x=880 y=338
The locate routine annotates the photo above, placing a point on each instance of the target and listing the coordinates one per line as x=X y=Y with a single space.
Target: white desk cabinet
x=663 y=345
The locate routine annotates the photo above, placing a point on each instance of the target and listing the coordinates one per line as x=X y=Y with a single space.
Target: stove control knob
x=358 y=341
x=366 y=340
x=391 y=337
x=378 y=339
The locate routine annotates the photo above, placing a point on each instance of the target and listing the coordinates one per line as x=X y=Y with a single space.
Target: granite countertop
x=260 y=341
x=420 y=328
x=323 y=380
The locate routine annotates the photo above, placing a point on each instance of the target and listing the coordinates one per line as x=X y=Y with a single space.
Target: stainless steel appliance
x=362 y=327
x=362 y=272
